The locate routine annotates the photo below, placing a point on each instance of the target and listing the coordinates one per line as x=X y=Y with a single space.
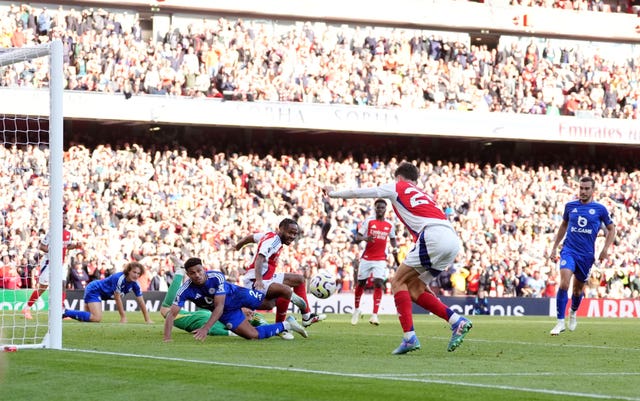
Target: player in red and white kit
x=43 y=279
x=266 y=261
x=436 y=246
x=373 y=262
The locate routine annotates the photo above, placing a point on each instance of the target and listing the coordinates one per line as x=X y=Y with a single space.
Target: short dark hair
x=588 y=179
x=408 y=170
x=380 y=200
x=286 y=222
x=192 y=262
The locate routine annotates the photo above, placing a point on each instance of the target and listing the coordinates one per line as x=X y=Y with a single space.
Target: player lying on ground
x=209 y=290
x=190 y=321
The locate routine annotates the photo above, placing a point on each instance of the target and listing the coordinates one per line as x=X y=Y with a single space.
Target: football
x=322 y=285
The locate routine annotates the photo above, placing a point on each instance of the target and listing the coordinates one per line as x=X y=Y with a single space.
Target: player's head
x=380 y=206
x=133 y=270
x=288 y=230
x=587 y=187
x=195 y=271
x=192 y=262
x=407 y=171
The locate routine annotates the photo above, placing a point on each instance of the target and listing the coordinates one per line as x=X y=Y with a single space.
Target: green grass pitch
x=502 y=358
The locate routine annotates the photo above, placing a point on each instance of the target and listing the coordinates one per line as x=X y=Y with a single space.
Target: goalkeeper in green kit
x=190 y=321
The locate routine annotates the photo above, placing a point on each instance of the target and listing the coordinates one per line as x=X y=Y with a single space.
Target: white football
x=323 y=285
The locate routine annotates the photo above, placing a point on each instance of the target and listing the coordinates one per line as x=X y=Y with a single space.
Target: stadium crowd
x=125 y=202
x=248 y=60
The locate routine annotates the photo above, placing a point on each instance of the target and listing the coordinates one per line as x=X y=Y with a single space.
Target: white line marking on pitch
x=368 y=376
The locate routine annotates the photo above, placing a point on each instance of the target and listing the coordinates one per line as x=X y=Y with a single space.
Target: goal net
x=30 y=193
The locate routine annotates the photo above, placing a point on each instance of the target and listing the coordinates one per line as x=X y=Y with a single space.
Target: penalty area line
x=362 y=375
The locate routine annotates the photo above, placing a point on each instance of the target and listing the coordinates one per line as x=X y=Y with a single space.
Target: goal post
x=22 y=132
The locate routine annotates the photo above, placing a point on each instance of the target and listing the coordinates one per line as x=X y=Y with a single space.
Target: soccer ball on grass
x=323 y=285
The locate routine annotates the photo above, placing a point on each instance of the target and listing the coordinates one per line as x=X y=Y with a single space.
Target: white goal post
x=15 y=330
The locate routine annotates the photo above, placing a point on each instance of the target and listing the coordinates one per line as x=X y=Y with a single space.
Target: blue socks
x=561 y=303
x=80 y=315
x=270 y=330
x=575 y=302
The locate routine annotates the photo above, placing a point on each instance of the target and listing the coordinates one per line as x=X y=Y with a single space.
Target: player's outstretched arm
x=218 y=308
x=120 y=307
x=143 y=309
x=168 y=322
x=244 y=241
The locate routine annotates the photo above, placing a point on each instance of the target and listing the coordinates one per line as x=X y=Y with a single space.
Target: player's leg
x=190 y=321
x=93 y=313
x=255 y=318
x=433 y=254
x=256 y=300
x=567 y=267
x=43 y=284
x=297 y=282
x=92 y=306
x=364 y=270
x=402 y=298
x=357 y=297
x=170 y=296
x=281 y=294
x=246 y=330
x=378 y=284
x=379 y=273
x=580 y=277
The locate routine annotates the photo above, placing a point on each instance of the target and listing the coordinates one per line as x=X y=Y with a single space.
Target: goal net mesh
x=25 y=196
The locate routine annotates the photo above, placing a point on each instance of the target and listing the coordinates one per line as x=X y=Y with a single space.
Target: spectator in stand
x=551 y=285
x=537 y=284
x=79 y=278
x=481 y=303
x=515 y=77
x=9 y=277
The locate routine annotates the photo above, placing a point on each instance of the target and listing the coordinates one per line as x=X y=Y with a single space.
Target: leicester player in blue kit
x=115 y=286
x=190 y=321
x=209 y=290
x=581 y=222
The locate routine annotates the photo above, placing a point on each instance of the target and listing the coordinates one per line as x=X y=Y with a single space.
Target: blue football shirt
x=584 y=221
x=116 y=283
x=202 y=295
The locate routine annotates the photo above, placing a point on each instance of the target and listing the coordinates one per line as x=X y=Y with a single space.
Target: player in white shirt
x=261 y=273
x=436 y=246
x=43 y=278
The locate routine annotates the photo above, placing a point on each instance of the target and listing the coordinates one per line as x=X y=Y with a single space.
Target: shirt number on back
x=417 y=197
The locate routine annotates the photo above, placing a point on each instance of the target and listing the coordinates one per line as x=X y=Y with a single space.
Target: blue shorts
x=580 y=266
x=233 y=316
x=92 y=293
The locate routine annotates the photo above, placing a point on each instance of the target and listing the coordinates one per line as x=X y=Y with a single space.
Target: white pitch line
x=369 y=376
x=572 y=374
x=546 y=344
